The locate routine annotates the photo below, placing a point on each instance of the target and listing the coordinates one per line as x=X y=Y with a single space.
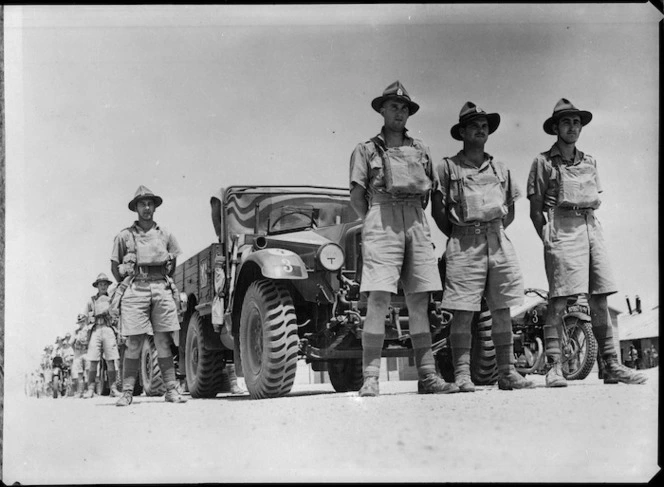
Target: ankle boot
x=90 y=392
x=615 y=371
x=511 y=379
x=370 y=387
x=555 y=377
x=462 y=378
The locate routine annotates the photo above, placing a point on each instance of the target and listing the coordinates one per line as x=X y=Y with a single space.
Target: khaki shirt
x=125 y=241
x=543 y=176
x=451 y=191
x=366 y=165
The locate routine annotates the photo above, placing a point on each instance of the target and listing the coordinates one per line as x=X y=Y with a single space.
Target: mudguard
x=577 y=314
x=277 y=264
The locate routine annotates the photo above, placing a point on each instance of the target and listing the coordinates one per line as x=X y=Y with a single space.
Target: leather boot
x=432 y=384
x=232 y=378
x=511 y=379
x=370 y=387
x=172 y=394
x=90 y=392
x=616 y=372
x=461 y=360
x=79 y=388
x=555 y=377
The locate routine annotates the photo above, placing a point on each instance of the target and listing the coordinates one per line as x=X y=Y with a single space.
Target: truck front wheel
x=204 y=368
x=345 y=374
x=153 y=383
x=268 y=340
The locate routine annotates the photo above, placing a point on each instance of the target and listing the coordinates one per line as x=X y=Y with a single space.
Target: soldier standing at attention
x=563 y=188
x=80 y=349
x=103 y=341
x=390 y=181
x=473 y=205
x=147 y=305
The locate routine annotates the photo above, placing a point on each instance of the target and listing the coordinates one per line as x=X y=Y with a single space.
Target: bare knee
x=162 y=341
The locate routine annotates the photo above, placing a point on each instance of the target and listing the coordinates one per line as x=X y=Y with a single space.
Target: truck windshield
x=253 y=210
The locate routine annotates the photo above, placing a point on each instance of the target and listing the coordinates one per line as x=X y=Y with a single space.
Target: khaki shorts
x=397 y=246
x=480 y=260
x=78 y=365
x=148 y=306
x=575 y=256
x=103 y=343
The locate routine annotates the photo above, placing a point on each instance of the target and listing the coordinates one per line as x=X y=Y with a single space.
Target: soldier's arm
x=174 y=263
x=509 y=218
x=116 y=271
x=439 y=213
x=537 y=213
x=358 y=200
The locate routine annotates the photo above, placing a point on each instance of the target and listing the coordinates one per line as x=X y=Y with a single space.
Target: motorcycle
x=578 y=344
x=61 y=378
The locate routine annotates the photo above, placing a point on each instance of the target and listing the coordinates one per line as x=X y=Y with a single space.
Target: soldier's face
x=568 y=128
x=102 y=287
x=396 y=115
x=475 y=132
x=145 y=208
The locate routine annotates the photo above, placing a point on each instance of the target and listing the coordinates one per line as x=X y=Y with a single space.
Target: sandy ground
x=588 y=432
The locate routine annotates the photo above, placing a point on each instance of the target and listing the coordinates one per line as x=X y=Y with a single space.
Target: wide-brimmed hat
x=142 y=193
x=397 y=91
x=564 y=107
x=470 y=111
x=101 y=278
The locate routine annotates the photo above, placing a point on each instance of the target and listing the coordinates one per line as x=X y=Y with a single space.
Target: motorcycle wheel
x=56 y=387
x=579 y=349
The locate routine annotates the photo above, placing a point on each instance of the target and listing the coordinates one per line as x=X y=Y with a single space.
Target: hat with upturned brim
x=395 y=91
x=102 y=278
x=470 y=111
x=144 y=193
x=565 y=107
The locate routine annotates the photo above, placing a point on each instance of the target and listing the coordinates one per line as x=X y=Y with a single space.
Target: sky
x=186 y=99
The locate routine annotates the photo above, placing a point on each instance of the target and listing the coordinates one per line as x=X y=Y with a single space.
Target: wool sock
x=372 y=345
x=424 y=360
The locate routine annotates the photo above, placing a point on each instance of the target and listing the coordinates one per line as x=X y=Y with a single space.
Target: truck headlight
x=331 y=257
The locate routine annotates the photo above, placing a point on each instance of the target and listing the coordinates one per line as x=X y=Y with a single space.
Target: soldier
x=217 y=222
x=80 y=346
x=143 y=260
x=103 y=340
x=390 y=181
x=563 y=188
x=473 y=205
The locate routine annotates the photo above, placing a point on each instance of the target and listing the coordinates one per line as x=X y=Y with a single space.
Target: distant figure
x=633 y=356
x=564 y=189
x=103 y=342
x=654 y=356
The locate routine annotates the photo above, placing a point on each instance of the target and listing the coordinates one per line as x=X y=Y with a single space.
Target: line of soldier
x=392 y=176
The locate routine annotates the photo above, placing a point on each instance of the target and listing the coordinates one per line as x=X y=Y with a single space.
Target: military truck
x=281 y=284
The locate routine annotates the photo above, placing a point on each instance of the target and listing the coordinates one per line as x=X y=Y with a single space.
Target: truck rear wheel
x=345 y=374
x=204 y=368
x=483 y=368
x=268 y=340
x=153 y=383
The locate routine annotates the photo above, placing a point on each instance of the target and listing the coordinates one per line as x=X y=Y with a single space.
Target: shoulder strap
x=380 y=147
